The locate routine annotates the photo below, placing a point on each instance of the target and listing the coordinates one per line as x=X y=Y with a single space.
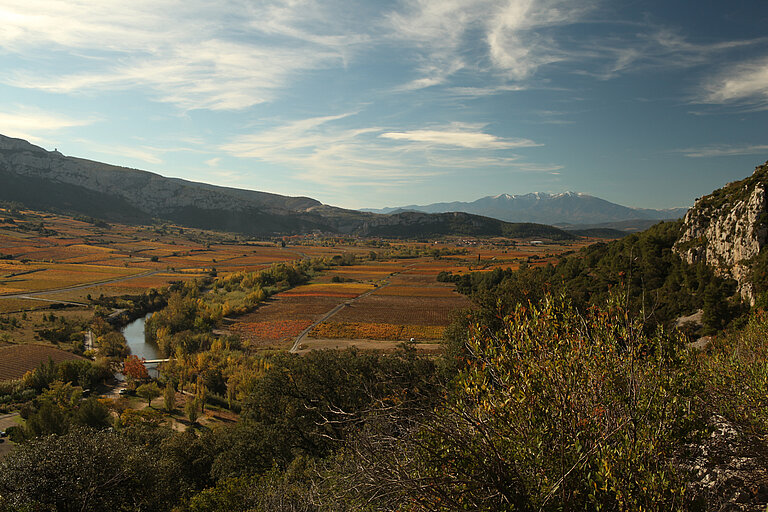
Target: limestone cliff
x=147 y=191
x=728 y=228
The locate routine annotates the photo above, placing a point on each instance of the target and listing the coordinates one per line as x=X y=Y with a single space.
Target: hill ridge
x=545 y=208
x=50 y=180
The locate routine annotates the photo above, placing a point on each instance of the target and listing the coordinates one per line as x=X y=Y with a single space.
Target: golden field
x=384 y=290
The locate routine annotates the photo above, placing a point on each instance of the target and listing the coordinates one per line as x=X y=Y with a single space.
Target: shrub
x=554 y=411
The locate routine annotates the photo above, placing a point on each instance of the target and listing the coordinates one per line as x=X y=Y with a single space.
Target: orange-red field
x=376 y=331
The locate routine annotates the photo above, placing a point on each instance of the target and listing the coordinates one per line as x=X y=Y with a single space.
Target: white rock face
x=727 y=235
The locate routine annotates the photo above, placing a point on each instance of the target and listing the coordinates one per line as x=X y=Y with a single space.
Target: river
x=134 y=337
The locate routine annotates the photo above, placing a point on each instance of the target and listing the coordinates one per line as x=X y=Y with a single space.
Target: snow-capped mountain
x=564 y=208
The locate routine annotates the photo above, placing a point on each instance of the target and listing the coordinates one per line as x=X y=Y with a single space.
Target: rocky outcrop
x=728 y=228
x=728 y=470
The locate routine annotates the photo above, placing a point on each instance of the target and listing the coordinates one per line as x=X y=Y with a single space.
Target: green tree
x=169 y=397
x=149 y=392
x=92 y=413
x=84 y=470
x=49 y=419
x=191 y=409
x=112 y=344
x=554 y=411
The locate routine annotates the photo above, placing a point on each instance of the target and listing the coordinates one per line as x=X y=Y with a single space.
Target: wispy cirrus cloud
x=523 y=37
x=34 y=124
x=443 y=33
x=518 y=35
x=323 y=150
x=725 y=150
x=743 y=83
x=655 y=47
x=514 y=33
x=223 y=55
x=231 y=55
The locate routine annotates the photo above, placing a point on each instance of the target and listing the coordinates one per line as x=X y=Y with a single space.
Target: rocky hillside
x=48 y=180
x=728 y=229
x=144 y=190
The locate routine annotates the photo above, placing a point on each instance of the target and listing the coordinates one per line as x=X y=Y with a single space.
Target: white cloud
x=742 y=83
x=149 y=155
x=725 y=150
x=657 y=47
x=459 y=135
x=195 y=54
x=514 y=33
x=478 y=92
x=521 y=37
x=323 y=150
x=319 y=150
x=517 y=35
x=29 y=122
x=142 y=152
x=233 y=54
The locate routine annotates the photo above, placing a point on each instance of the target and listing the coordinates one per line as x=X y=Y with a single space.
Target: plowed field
x=17 y=360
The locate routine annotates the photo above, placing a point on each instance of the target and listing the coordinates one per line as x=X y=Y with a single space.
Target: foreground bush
x=735 y=374
x=553 y=412
x=83 y=470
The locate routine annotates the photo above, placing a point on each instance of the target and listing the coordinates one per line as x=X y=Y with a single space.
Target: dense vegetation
x=420 y=225
x=553 y=410
x=184 y=326
x=659 y=286
x=300 y=410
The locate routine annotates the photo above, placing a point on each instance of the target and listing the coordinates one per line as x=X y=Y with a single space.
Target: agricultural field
x=43 y=253
x=378 y=293
x=17 y=360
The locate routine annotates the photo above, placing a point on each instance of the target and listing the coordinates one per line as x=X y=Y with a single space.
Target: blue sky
x=385 y=103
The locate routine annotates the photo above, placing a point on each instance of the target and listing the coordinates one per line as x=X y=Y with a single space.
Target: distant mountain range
x=48 y=180
x=565 y=209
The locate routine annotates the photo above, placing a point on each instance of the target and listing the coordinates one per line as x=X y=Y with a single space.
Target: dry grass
x=14 y=305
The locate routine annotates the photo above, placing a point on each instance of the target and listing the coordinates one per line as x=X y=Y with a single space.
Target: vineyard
x=340 y=290
x=407 y=310
x=377 y=290
x=374 y=331
x=407 y=302
x=254 y=333
x=17 y=360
